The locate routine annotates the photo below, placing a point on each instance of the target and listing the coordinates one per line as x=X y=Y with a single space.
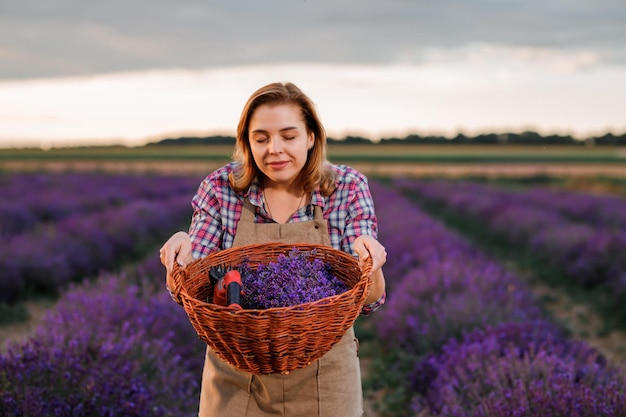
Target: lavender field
x=579 y=237
x=57 y=229
x=460 y=334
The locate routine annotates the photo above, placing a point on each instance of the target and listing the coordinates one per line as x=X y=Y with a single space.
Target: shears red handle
x=227 y=289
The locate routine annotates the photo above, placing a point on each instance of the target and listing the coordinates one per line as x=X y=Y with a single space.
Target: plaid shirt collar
x=255 y=194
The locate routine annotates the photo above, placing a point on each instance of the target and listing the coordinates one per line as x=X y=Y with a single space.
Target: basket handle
x=179 y=275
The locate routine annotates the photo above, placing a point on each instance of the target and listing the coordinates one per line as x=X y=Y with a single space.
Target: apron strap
x=248 y=212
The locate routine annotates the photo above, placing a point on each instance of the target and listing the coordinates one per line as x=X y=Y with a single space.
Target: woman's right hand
x=176 y=249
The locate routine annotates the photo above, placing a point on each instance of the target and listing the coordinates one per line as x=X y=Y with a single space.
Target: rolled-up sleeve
x=206 y=225
x=357 y=207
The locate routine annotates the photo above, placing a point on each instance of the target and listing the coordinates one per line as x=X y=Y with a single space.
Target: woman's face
x=279 y=142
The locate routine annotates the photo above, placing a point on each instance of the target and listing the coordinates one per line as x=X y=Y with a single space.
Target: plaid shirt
x=217 y=208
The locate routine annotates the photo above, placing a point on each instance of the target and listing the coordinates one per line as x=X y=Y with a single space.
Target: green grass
x=477 y=154
x=120 y=153
x=13 y=313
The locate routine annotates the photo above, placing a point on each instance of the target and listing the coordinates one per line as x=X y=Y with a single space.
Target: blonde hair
x=316 y=171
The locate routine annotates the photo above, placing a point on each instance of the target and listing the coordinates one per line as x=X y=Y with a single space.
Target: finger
x=184 y=260
x=182 y=254
x=162 y=256
x=378 y=257
x=363 y=253
x=168 y=259
x=364 y=259
x=176 y=259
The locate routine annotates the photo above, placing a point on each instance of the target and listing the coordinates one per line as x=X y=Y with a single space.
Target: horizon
x=412 y=138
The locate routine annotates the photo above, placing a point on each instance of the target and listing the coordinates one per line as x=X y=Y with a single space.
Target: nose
x=275 y=145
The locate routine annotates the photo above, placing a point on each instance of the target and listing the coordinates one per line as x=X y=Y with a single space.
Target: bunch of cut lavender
x=296 y=277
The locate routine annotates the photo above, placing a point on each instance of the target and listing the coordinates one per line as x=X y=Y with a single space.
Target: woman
x=280 y=187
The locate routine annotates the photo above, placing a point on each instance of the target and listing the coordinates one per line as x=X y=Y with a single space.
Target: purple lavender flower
x=50 y=257
x=440 y=288
x=29 y=199
x=294 y=278
x=580 y=234
x=107 y=348
x=439 y=285
x=523 y=369
x=39 y=380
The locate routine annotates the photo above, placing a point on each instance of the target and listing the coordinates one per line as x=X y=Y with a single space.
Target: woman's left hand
x=366 y=246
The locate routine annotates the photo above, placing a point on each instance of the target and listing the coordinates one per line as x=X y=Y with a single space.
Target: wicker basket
x=275 y=340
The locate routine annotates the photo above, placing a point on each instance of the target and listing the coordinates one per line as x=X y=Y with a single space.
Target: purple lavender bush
x=543 y=226
x=296 y=277
x=31 y=199
x=440 y=301
x=446 y=286
x=458 y=332
x=518 y=369
x=438 y=287
x=600 y=210
x=58 y=228
x=70 y=380
x=412 y=238
x=595 y=209
x=107 y=348
x=14 y=219
x=48 y=258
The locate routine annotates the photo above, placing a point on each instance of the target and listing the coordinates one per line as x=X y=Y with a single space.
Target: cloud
x=42 y=38
x=373 y=101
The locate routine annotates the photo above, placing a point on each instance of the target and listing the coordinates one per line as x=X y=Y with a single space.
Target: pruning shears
x=227 y=287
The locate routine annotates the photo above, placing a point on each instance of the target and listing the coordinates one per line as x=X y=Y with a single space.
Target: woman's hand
x=366 y=246
x=177 y=248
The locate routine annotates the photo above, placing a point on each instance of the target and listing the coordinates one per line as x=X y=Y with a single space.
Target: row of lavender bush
x=469 y=336
x=46 y=259
x=118 y=346
x=28 y=199
x=602 y=210
x=598 y=209
x=581 y=234
x=85 y=223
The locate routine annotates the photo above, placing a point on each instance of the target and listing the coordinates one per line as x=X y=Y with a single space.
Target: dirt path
x=583 y=323
x=578 y=318
x=369 y=399
x=17 y=332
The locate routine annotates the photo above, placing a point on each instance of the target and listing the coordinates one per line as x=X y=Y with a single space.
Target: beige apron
x=329 y=387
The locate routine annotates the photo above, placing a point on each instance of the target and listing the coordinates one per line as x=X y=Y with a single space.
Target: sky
x=129 y=72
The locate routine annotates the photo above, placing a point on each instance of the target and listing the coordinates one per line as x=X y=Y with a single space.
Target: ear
x=311 y=140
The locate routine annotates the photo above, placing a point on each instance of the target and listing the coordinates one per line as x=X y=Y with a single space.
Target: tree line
x=524 y=138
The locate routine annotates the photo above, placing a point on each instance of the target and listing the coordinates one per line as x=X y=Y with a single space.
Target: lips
x=277 y=164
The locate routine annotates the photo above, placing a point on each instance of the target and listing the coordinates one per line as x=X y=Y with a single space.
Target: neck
x=282 y=204
x=292 y=188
